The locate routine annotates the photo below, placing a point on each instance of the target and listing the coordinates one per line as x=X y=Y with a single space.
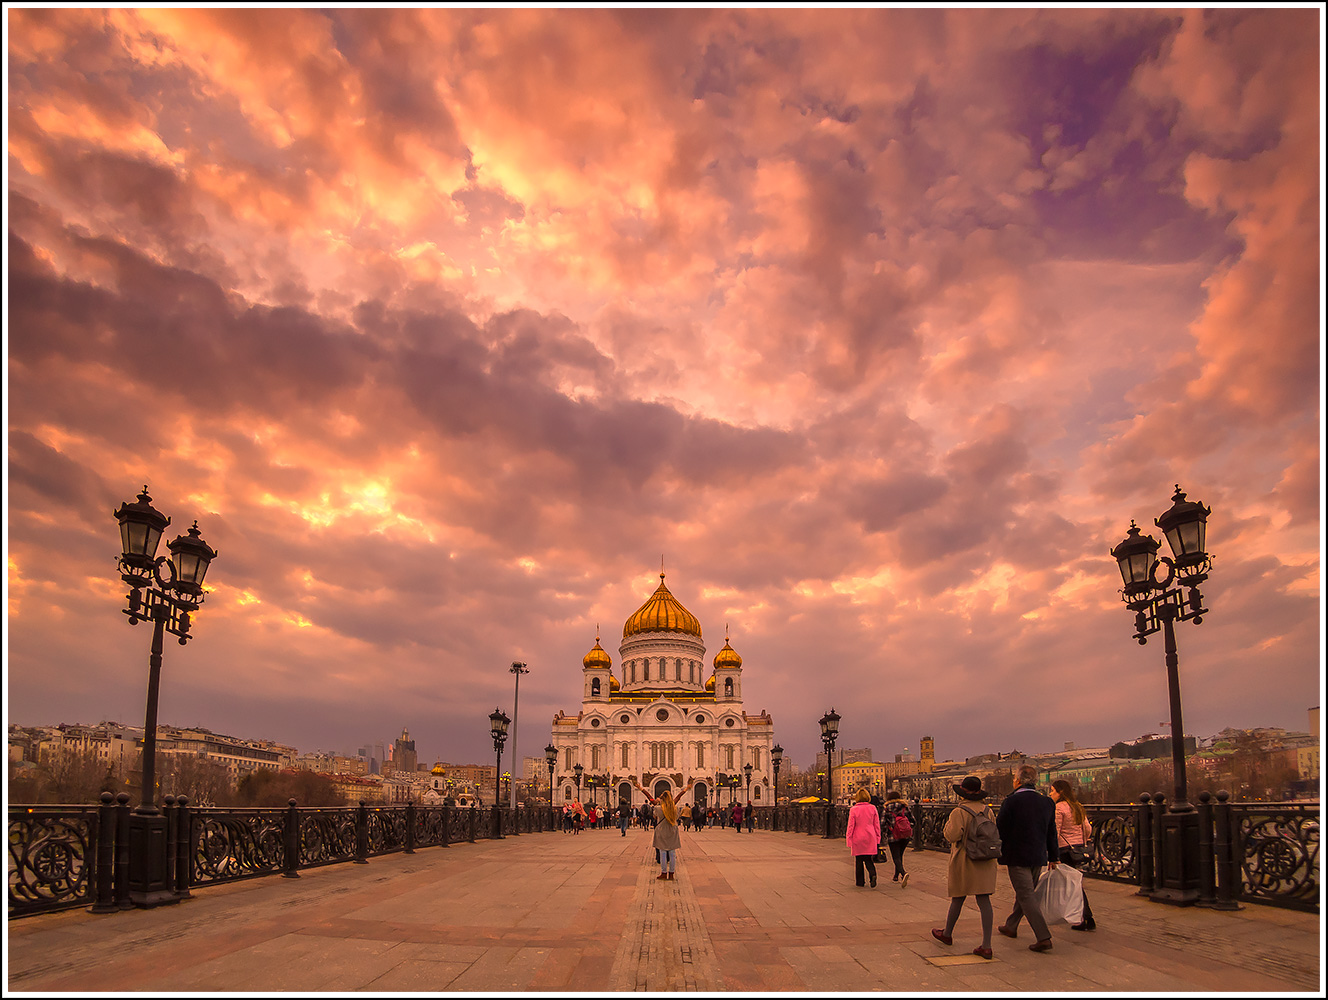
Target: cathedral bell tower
x=597 y=670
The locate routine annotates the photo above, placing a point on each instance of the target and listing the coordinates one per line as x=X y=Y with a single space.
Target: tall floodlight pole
x=518 y=669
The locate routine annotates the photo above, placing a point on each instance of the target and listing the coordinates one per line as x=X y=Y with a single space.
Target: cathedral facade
x=663 y=718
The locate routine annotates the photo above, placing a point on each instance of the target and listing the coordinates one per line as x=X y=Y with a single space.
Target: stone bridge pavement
x=585 y=914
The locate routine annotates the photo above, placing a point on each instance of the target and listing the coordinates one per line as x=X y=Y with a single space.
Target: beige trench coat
x=967 y=877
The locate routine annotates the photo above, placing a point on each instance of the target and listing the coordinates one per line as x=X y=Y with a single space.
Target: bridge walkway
x=585 y=914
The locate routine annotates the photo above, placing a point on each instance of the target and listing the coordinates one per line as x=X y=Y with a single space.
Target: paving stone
x=767 y=912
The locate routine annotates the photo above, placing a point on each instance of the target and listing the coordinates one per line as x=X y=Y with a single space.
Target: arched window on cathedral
x=728 y=690
x=756 y=793
x=700 y=755
x=567 y=765
x=594 y=687
x=624 y=755
x=670 y=748
x=756 y=758
x=677 y=670
x=645 y=665
x=594 y=758
x=728 y=756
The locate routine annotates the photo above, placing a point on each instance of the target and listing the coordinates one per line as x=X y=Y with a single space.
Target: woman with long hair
x=667 y=841
x=1072 y=830
x=896 y=833
x=863 y=836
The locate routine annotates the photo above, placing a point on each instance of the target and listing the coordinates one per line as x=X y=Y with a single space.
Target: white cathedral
x=664 y=722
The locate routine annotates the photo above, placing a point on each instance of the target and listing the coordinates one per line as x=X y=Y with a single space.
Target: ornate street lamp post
x=498 y=722
x=1157 y=605
x=776 y=758
x=551 y=758
x=829 y=733
x=577 y=771
x=165 y=590
x=747 y=770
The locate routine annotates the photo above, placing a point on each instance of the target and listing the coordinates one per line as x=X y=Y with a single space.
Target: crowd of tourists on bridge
x=578 y=816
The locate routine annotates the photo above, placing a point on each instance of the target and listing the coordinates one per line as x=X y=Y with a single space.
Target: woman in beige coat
x=966 y=877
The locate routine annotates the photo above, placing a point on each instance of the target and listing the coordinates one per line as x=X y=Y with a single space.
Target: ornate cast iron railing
x=1277 y=850
x=52 y=850
x=67 y=856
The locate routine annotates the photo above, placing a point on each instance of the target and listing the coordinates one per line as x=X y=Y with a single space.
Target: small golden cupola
x=728 y=656
x=661 y=613
x=597 y=657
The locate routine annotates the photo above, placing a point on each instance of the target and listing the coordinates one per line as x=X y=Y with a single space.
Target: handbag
x=1060 y=895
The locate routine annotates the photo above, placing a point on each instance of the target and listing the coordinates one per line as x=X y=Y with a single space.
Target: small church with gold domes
x=661 y=719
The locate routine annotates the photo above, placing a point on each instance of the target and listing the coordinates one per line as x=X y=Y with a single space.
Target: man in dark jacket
x=1027 y=824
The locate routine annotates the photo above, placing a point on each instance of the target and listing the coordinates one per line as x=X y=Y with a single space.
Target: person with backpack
x=897 y=828
x=974 y=848
x=1027 y=823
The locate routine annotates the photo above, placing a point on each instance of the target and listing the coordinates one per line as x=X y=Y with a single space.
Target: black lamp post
x=829 y=733
x=1157 y=605
x=551 y=757
x=166 y=591
x=747 y=770
x=776 y=758
x=498 y=722
x=577 y=771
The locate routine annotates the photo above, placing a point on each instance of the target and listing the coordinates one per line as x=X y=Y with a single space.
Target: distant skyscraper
x=403 y=753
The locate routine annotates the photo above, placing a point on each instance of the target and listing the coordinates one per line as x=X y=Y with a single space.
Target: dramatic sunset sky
x=879 y=326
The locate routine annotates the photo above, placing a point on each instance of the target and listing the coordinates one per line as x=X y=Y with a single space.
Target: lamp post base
x=1178 y=884
x=149 y=864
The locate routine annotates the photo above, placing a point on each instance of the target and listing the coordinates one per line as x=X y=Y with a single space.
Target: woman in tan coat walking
x=966 y=877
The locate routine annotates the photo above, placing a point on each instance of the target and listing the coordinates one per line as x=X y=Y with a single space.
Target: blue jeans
x=666 y=861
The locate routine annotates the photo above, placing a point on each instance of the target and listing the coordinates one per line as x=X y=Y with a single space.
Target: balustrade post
x=1143 y=845
x=183 y=848
x=104 y=901
x=290 y=838
x=410 y=828
x=122 y=852
x=474 y=822
x=1159 y=849
x=362 y=835
x=1228 y=856
x=172 y=836
x=447 y=825
x=1207 y=894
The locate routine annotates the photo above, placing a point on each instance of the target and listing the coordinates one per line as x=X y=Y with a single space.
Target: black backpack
x=982 y=841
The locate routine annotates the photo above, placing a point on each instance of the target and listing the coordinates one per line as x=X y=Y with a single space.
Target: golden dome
x=728 y=656
x=613 y=683
x=438 y=768
x=662 y=613
x=596 y=657
x=710 y=684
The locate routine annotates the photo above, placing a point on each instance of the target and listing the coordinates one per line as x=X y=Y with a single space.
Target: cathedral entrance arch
x=661 y=787
x=700 y=798
x=625 y=793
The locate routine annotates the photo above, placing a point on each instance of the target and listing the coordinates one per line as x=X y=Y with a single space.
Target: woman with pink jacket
x=864 y=835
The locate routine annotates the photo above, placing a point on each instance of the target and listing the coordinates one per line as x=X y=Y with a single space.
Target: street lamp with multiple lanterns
x=551 y=758
x=1158 y=603
x=776 y=758
x=498 y=723
x=165 y=590
x=829 y=733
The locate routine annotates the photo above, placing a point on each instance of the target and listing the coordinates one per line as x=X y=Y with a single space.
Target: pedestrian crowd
x=1031 y=832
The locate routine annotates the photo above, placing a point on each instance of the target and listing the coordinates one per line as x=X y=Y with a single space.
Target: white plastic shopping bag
x=1060 y=895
